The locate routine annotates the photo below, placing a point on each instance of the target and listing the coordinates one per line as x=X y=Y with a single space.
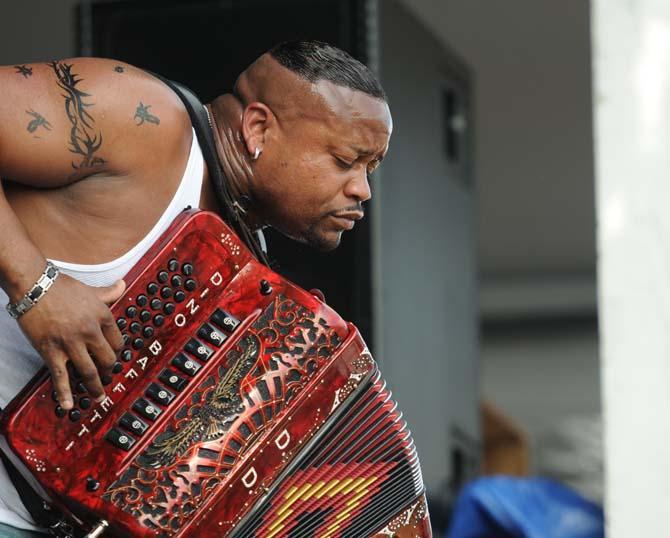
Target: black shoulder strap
x=203 y=129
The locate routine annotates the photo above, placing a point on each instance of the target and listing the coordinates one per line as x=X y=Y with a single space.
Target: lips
x=344 y=222
x=354 y=215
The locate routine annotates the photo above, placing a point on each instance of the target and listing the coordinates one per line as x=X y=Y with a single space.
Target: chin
x=324 y=241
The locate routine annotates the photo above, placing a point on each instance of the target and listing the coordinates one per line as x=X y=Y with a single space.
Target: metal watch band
x=35 y=293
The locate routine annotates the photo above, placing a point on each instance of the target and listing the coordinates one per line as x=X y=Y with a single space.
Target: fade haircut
x=316 y=60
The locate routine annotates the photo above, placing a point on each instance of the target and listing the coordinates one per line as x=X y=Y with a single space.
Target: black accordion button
x=146 y=409
x=84 y=403
x=185 y=364
x=138 y=343
x=133 y=424
x=190 y=284
x=121 y=323
x=135 y=327
x=168 y=308
x=159 y=395
x=117 y=368
x=148 y=331
x=126 y=355
x=198 y=350
x=212 y=335
x=173 y=265
x=159 y=320
x=163 y=277
x=152 y=288
x=156 y=304
x=142 y=300
x=145 y=316
x=60 y=412
x=120 y=439
x=74 y=415
x=166 y=292
x=172 y=380
x=131 y=311
x=187 y=269
x=176 y=280
x=226 y=321
x=179 y=296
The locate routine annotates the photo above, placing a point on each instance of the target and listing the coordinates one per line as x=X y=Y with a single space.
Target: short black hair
x=316 y=60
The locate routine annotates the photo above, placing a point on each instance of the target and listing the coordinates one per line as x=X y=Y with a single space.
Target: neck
x=226 y=115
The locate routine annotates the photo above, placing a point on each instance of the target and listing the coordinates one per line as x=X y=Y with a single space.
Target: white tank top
x=19 y=361
x=188 y=194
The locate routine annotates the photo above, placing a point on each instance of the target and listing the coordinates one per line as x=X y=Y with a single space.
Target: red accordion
x=241 y=406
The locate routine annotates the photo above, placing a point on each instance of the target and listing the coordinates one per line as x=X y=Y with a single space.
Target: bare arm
x=63 y=122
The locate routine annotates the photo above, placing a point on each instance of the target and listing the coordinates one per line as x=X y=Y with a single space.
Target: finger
x=111 y=332
x=103 y=355
x=56 y=361
x=110 y=294
x=87 y=371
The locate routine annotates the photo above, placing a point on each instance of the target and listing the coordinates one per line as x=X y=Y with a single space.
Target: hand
x=72 y=322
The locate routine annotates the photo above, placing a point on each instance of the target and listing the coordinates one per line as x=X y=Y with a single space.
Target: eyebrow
x=365 y=153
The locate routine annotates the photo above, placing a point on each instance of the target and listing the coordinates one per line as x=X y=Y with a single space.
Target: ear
x=257 y=118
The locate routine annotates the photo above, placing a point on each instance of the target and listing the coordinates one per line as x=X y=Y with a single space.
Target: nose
x=358 y=188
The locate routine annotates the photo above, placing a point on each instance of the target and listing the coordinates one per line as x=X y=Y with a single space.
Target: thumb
x=109 y=294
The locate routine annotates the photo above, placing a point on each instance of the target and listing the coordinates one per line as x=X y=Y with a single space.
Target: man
x=94 y=154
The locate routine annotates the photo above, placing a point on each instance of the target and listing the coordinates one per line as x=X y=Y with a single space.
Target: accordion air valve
x=240 y=405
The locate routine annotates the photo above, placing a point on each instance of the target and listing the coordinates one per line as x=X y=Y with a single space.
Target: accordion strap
x=203 y=129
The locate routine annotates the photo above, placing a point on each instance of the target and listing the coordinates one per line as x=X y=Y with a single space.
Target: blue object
x=506 y=507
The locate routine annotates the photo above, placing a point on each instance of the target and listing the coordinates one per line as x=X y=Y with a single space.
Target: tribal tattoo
x=83 y=139
x=119 y=69
x=38 y=121
x=142 y=114
x=24 y=70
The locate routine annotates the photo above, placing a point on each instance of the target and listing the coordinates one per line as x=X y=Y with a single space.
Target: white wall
x=632 y=81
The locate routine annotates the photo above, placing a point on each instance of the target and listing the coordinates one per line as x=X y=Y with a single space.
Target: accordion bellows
x=241 y=406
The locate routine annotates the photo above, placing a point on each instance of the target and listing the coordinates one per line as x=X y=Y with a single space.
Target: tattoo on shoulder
x=24 y=70
x=119 y=69
x=37 y=122
x=142 y=115
x=84 y=140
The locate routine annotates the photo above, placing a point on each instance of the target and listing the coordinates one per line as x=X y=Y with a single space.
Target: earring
x=256 y=154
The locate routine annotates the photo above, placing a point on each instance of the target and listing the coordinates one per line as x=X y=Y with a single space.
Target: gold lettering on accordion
x=192 y=306
x=216 y=279
x=282 y=440
x=155 y=347
x=249 y=478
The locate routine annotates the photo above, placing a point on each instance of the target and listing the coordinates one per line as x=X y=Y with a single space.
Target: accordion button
x=138 y=343
x=54 y=395
x=131 y=311
x=176 y=280
x=152 y=288
x=146 y=409
x=172 y=380
x=85 y=403
x=126 y=355
x=60 y=412
x=74 y=415
x=159 y=395
x=145 y=316
x=148 y=331
x=142 y=300
x=179 y=296
x=209 y=333
x=185 y=364
x=121 y=323
x=198 y=350
x=117 y=368
x=135 y=327
x=168 y=308
x=163 y=277
x=187 y=269
x=190 y=284
x=92 y=484
x=226 y=321
x=120 y=439
x=166 y=292
x=126 y=339
x=106 y=379
x=266 y=287
x=80 y=388
x=156 y=304
x=173 y=265
x=159 y=320
x=133 y=424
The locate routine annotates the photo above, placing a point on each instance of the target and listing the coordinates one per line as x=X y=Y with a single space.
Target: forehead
x=352 y=115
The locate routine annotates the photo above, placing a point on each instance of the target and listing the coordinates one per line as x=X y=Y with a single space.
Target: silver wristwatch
x=35 y=293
